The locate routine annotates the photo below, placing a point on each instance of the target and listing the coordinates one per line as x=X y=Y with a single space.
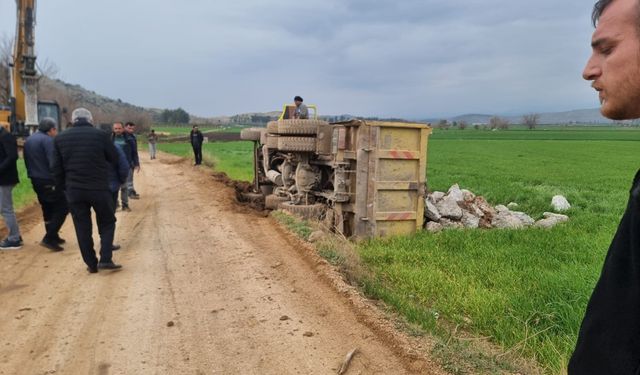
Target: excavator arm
x=24 y=72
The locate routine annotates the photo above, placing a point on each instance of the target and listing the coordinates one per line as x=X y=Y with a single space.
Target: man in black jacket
x=196 y=143
x=38 y=157
x=609 y=339
x=8 y=180
x=82 y=159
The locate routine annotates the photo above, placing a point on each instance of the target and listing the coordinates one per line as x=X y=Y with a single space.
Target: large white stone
x=434 y=227
x=505 y=220
x=560 y=203
x=526 y=219
x=456 y=193
x=448 y=207
x=470 y=221
x=431 y=211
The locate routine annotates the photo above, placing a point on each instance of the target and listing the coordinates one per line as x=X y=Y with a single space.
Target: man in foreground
x=38 y=157
x=8 y=180
x=83 y=157
x=609 y=339
x=197 y=139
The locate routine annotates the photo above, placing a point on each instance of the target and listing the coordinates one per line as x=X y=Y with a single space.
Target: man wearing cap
x=83 y=157
x=38 y=155
x=302 y=112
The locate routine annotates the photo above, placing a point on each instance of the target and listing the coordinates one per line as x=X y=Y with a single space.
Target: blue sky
x=410 y=58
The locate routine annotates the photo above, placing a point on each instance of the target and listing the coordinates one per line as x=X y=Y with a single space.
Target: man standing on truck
x=38 y=156
x=8 y=180
x=302 y=112
x=82 y=159
x=196 y=139
x=609 y=339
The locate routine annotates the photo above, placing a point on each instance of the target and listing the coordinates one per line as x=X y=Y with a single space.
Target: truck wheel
x=299 y=127
x=299 y=144
x=272 y=141
x=250 y=134
x=272 y=201
x=252 y=197
x=304 y=211
x=272 y=127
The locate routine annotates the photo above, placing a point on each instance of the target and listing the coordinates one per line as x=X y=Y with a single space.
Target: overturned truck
x=362 y=178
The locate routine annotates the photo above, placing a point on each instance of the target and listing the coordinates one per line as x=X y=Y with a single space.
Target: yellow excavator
x=22 y=113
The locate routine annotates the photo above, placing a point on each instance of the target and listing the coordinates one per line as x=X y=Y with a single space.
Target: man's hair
x=129 y=123
x=46 y=124
x=298 y=99
x=81 y=114
x=600 y=7
x=117 y=123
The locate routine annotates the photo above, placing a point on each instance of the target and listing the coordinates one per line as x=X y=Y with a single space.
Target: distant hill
x=579 y=116
x=105 y=110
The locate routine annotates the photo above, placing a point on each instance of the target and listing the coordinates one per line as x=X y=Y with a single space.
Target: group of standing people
x=79 y=170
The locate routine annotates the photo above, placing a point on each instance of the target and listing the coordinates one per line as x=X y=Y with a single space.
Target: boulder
x=560 y=203
x=485 y=207
x=434 y=227
x=450 y=224
x=468 y=196
x=505 y=220
x=431 y=211
x=456 y=193
x=448 y=207
x=502 y=208
x=551 y=220
x=524 y=218
x=513 y=205
x=436 y=196
x=470 y=221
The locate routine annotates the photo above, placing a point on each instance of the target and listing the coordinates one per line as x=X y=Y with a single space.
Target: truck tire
x=252 y=197
x=299 y=127
x=297 y=144
x=272 y=127
x=271 y=202
x=304 y=211
x=272 y=141
x=250 y=134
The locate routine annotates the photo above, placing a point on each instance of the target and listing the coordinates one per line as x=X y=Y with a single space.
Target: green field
x=23 y=194
x=184 y=130
x=526 y=290
x=233 y=158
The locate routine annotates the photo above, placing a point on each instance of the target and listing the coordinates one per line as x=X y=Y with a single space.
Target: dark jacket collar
x=80 y=123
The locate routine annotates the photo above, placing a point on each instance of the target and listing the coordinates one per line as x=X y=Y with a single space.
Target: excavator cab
x=289 y=110
x=50 y=109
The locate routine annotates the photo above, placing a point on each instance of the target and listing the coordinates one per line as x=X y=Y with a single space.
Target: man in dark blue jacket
x=82 y=160
x=8 y=180
x=127 y=144
x=130 y=133
x=196 y=139
x=38 y=155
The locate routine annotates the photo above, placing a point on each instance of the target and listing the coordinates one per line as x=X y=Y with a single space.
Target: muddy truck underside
x=362 y=178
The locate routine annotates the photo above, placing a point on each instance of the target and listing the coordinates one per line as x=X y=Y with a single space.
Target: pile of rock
x=459 y=208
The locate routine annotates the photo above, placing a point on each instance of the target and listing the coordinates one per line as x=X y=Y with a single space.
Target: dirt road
x=206 y=289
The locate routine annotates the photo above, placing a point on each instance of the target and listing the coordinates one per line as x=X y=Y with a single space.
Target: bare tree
x=531 y=120
x=462 y=125
x=498 y=123
x=48 y=69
